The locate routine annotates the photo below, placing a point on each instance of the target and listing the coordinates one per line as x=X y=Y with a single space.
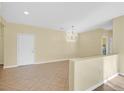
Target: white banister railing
x=89 y=73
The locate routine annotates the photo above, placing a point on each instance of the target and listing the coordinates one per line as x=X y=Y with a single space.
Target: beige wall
x=88 y=73
x=90 y=42
x=49 y=44
x=1 y=40
x=118 y=40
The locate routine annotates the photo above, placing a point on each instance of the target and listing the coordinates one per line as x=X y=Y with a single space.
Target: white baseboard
x=121 y=74
x=100 y=83
x=12 y=66
x=43 y=62
x=51 y=61
x=95 y=86
x=111 y=77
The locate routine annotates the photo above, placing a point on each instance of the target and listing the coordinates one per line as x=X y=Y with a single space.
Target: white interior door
x=25 y=49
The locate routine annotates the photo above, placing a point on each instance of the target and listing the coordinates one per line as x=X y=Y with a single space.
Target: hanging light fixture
x=72 y=36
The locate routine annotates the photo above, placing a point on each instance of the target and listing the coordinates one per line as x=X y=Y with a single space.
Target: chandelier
x=72 y=36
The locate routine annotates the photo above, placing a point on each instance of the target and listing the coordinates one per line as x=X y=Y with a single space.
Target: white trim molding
x=121 y=74
x=12 y=66
x=42 y=62
x=51 y=61
x=113 y=76
x=95 y=86
x=102 y=82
